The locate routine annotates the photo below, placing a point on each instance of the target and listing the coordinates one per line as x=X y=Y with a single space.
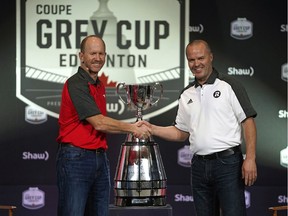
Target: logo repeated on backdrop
x=35 y=156
x=183 y=198
x=284 y=28
x=33 y=198
x=284 y=157
x=284 y=72
x=196 y=29
x=34 y=115
x=283 y=199
x=241 y=71
x=179 y=197
x=140 y=48
x=241 y=29
x=284 y=113
x=247 y=199
x=185 y=155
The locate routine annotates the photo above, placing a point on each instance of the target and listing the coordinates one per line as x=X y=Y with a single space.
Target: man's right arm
x=170 y=133
x=110 y=125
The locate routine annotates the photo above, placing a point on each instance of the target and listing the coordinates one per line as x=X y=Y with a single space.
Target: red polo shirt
x=82 y=97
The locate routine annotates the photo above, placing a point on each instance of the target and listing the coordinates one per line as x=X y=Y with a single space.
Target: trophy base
x=141 y=201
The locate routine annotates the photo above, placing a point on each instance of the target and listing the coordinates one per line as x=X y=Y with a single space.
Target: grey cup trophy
x=140 y=178
x=139 y=98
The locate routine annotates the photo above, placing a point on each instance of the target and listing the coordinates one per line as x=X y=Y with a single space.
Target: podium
x=140 y=210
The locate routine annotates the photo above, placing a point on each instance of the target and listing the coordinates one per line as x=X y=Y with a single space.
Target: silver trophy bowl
x=139 y=98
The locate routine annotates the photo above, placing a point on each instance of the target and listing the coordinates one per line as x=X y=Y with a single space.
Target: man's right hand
x=142 y=130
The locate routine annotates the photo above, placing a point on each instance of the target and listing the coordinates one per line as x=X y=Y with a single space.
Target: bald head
x=84 y=42
x=199 y=42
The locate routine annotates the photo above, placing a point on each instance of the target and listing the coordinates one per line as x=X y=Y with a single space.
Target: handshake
x=143 y=129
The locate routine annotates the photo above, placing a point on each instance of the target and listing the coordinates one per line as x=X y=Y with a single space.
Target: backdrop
x=145 y=44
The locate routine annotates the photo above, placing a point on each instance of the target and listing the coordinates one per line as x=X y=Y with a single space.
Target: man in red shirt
x=83 y=174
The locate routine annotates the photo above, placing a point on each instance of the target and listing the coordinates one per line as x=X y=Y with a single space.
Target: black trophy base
x=141 y=210
x=140 y=201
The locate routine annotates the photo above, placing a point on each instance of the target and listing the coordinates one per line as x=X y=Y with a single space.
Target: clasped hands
x=142 y=130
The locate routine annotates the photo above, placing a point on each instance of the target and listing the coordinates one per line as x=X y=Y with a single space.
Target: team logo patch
x=216 y=94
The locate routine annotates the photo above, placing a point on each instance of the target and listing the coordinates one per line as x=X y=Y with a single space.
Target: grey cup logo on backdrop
x=140 y=49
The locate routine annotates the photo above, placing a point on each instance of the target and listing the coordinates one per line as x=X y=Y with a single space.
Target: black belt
x=220 y=154
x=69 y=145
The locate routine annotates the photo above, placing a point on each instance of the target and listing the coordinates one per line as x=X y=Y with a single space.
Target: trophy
x=140 y=178
x=139 y=98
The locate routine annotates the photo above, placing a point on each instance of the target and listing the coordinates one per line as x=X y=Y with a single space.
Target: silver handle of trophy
x=122 y=85
x=161 y=92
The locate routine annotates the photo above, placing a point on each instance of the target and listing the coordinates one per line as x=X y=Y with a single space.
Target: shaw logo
x=241 y=29
x=282 y=199
x=241 y=71
x=189 y=198
x=283 y=28
x=116 y=107
x=35 y=156
x=198 y=29
x=33 y=198
x=183 y=198
x=283 y=114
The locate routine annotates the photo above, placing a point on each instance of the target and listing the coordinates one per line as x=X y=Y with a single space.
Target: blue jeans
x=217 y=184
x=83 y=179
